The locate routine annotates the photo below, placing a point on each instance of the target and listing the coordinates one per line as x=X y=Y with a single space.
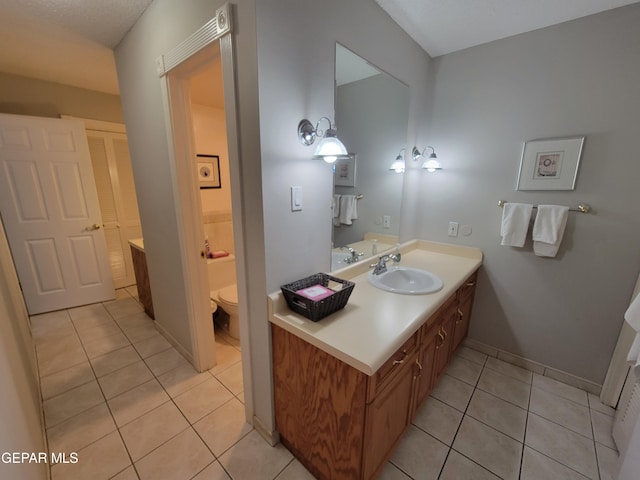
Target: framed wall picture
x=550 y=164
x=344 y=172
x=208 y=171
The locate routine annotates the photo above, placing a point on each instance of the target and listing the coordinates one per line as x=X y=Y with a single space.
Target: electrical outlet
x=386 y=221
x=453 y=229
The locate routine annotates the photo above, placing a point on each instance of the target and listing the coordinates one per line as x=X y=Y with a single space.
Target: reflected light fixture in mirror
x=398 y=165
x=330 y=147
x=431 y=164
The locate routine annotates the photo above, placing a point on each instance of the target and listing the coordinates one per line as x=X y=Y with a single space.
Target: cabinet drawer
x=391 y=368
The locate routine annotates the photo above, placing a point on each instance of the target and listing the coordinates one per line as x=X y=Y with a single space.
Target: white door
x=51 y=214
x=118 y=202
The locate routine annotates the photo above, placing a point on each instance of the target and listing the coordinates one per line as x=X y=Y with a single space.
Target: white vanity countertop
x=137 y=243
x=375 y=323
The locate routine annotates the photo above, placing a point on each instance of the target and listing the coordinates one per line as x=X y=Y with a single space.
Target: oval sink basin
x=406 y=280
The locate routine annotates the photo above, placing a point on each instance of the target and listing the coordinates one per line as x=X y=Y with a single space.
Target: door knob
x=95 y=226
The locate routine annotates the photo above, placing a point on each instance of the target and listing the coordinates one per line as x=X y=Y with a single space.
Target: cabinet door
x=387 y=418
x=444 y=339
x=425 y=363
x=463 y=314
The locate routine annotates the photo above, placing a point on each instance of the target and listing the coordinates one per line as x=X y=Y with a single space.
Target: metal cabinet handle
x=460 y=316
x=470 y=284
x=419 y=365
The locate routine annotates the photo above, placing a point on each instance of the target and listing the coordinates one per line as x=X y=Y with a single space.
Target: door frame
x=172 y=67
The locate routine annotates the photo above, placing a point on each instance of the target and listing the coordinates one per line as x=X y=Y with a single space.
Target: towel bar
x=583 y=207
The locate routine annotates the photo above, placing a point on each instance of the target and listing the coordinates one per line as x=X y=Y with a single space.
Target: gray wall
x=296 y=51
x=28 y=96
x=372 y=116
x=578 y=78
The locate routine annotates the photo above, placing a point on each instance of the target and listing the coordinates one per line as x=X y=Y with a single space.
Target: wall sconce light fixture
x=398 y=164
x=431 y=164
x=330 y=147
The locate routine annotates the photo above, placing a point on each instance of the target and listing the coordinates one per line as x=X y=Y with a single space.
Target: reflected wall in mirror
x=372 y=117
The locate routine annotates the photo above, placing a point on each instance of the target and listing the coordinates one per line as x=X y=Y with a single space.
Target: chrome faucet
x=381 y=266
x=354 y=256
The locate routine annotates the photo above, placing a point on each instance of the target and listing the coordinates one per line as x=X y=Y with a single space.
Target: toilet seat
x=229 y=295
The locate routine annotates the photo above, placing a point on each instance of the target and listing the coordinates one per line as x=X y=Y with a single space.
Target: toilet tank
x=222 y=272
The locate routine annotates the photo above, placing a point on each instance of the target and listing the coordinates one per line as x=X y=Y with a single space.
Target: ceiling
x=71 y=41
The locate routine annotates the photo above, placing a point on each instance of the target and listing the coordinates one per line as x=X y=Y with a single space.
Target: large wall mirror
x=372 y=116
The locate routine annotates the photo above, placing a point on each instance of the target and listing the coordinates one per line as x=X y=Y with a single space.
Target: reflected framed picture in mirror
x=208 y=171
x=344 y=172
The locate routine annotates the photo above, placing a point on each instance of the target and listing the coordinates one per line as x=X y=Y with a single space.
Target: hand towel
x=335 y=210
x=548 y=229
x=348 y=209
x=515 y=223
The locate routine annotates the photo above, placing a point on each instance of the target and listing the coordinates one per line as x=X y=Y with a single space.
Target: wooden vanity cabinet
x=463 y=315
x=142 y=280
x=343 y=424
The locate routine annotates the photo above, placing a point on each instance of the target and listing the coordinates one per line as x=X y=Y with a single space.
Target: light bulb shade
x=330 y=148
x=432 y=164
x=398 y=165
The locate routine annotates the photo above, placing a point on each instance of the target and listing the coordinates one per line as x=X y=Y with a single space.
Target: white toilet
x=224 y=293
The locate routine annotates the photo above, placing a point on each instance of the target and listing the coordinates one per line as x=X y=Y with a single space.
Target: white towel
x=548 y=229
x=348 y=209
x=632 y=316
x=515 y=223
x=335 y=210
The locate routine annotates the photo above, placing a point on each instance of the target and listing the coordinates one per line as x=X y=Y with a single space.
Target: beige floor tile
x=419 y=454
x=295 y=471
x=136 y=402
x=182 y=457
x=112 y=361
x=453 y=392
x=232 y=378
x=608 y=460
x=122 y=308
x=223 y=427
x=473 y=355
x=465 y=370
x=47 y=326
x=89 y=316
x=509 y=370
x=71 y=403
x=222 y=336
x=98 y=331
x=122 y=293
x=133 y=291
x=104 y=345
x=133 y=320
x=202 y=399
x=164 y=361
x=143 y=332
x=602 y=428
x=459 y=467
x=213 y=471
x=125 y=379
x=153 y=429
x=498 y=414
x=569 y=448
x=226 y=356
x=438 y=419
x=152 y=345
x=59 y=353
x=495 y=451
x=181 y=379
x=536 y=466
x=81 y=430
x=561 y=389
x=391 y=472
x=561 y=411
x=100 y=460
x=252 y=458
x=505 y=387
x=128 y=473
x=66 y=379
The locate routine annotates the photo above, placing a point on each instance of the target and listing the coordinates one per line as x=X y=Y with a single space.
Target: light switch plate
x=296 y=199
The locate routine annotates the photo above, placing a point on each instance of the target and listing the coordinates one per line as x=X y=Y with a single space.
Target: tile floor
x=117 y=393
